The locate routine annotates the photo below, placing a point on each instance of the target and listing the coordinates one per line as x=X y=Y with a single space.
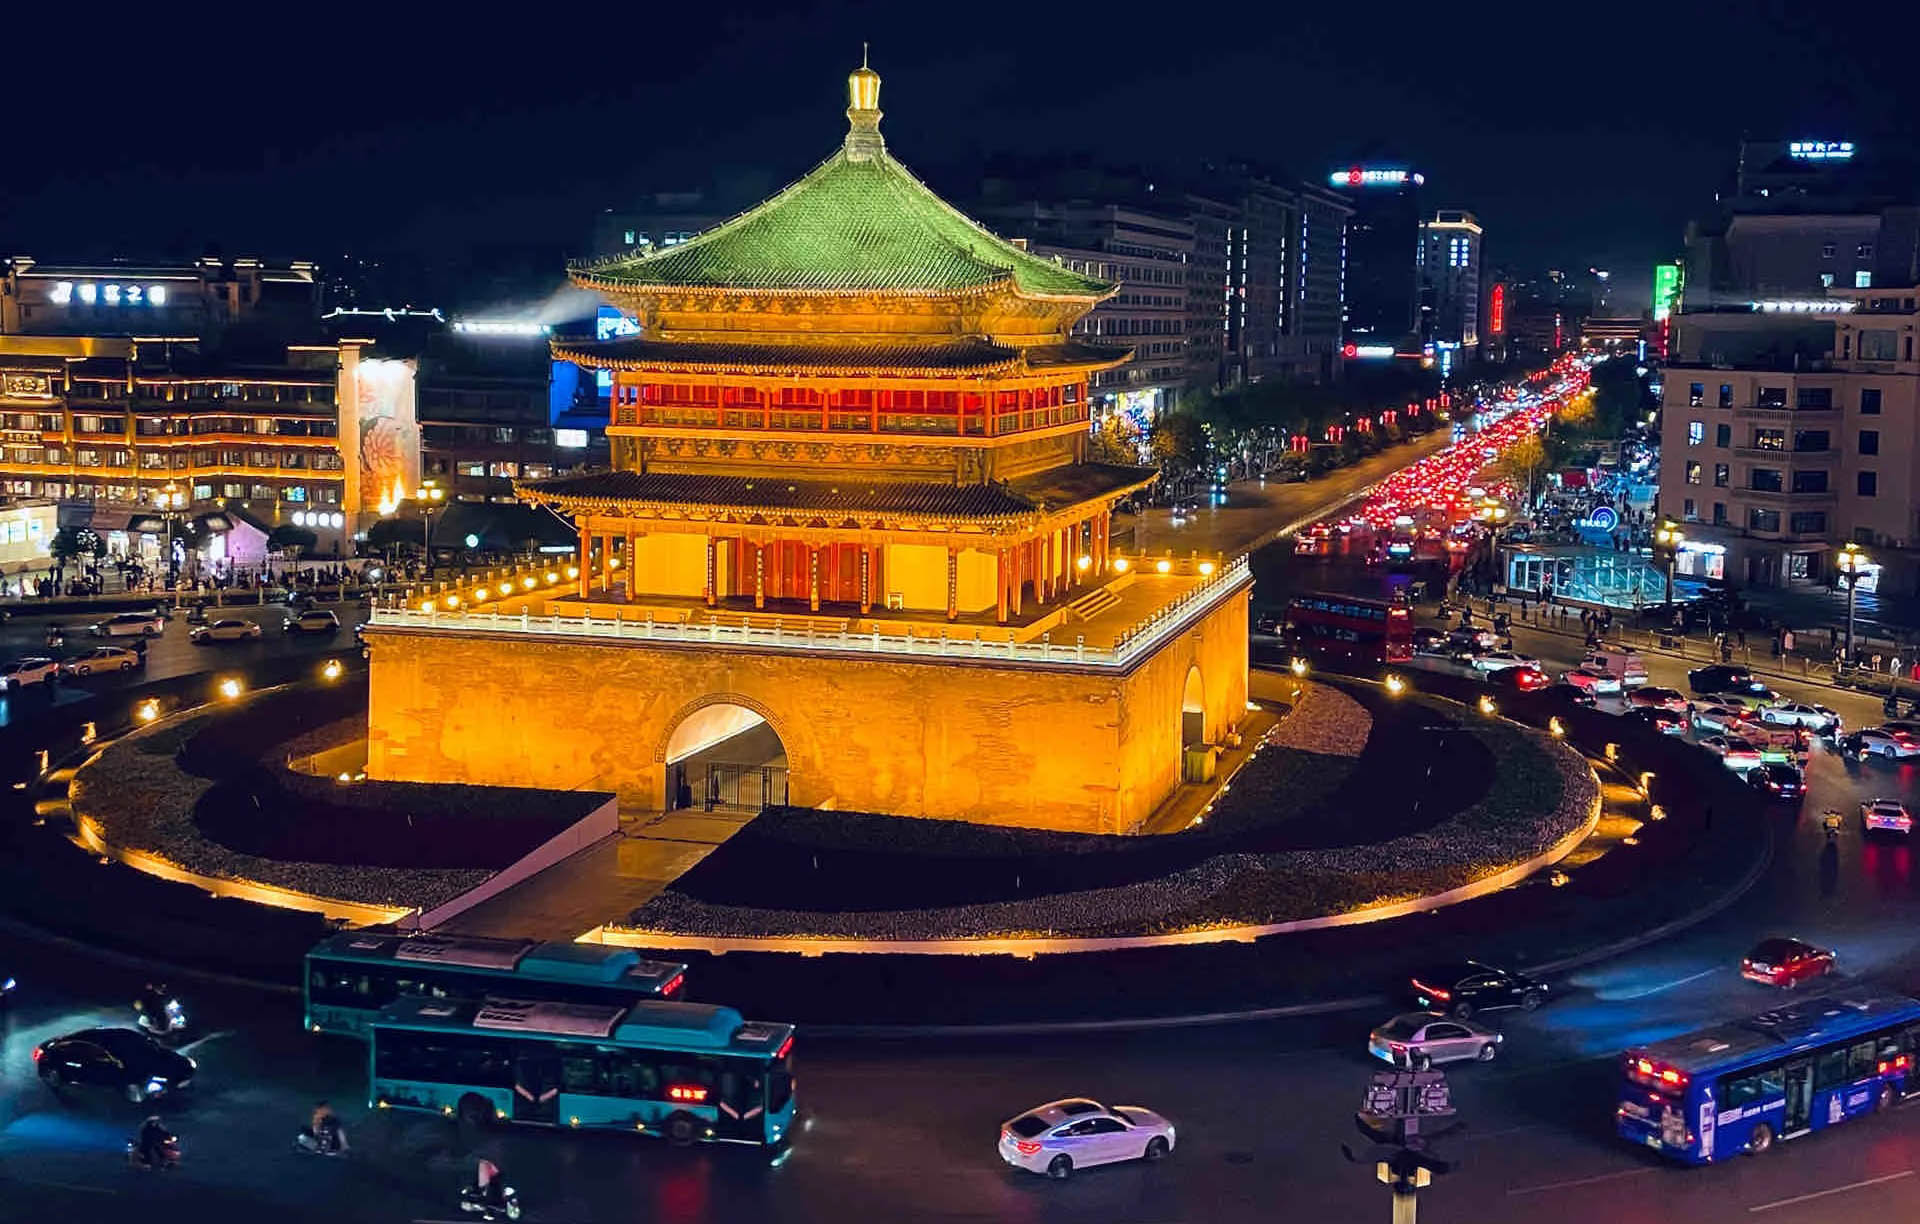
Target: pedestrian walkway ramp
x=603 y=883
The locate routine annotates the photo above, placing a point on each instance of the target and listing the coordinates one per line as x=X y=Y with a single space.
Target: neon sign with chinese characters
x=1820 y=150
x=1497 y=309
x=90 y=293
x=1362 y=176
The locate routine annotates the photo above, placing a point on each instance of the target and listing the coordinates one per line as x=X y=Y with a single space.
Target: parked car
x=1421 y=1039
x=1652 y=698
x=1878 y=741
x=1734 y=752
x=1786 y=962
x=1500 y=660
x=131 y=624
x=1466 y=987
x=1717 y=717
x=1061 y=1136
x=1665 y=721
x=1778 y=781
x=1594 y=680
x=313 y=620
x=1885 y=815
x=123 y=1060
x=19 y=673
x=225 y=631
x=1719 y=678
x=101 y=659
x=1799 y=714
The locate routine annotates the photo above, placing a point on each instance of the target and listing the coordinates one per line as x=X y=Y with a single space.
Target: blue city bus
x=1744 y=1086
x=352 y=975
x=684 y=1071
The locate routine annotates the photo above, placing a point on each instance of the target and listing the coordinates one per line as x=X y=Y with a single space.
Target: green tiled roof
x=854 y=224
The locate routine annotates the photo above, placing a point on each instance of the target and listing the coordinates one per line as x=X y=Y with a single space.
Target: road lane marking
x=35 y=1181
x=1654 y=990
x=1820 y=1194
x=1579 y=1181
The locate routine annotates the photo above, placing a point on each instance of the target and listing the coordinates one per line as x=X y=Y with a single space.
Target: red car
x=1786 y=962
x=1520 y=679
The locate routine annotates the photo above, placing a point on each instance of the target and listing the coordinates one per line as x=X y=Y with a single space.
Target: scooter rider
x=151 y=1144
x=327 y=1133
x=152 y=1006
x=1830 y=821
x=489 y=1187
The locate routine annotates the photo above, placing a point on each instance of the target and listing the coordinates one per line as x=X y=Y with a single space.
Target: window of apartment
x=1811 y=440
x=1696 y=394
x=326 y=495
x=203 y=492
x=1726 y=395
x=1863 y=251
x=1869 y=401
x=1696 y=432
x=471 y=467
x=1771 y=397
x=503 y=469
x=1693 y=471
x=1807 y=521
x=503 y=433
x=1826 y=280
x=1723 y=436
x=294 y=493
x=1810 y=482
x=1828 y=250
x=1867 y=484
x=1869 y=442
x=1767 y=480
x=1689 y=511
x=1770 y=439
x=1815 y=398
x=1721 y=475
x=261 y=492
x=233 y=490
x=1877 y=344
x=86 y=456
x=1863 y=279
x=1719 y=514
x=1763 y=520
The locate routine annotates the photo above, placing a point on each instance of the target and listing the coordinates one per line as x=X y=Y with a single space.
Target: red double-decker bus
x=1350 y=629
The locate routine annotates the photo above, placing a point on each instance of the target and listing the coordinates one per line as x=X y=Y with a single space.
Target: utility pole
x=1402 y=1112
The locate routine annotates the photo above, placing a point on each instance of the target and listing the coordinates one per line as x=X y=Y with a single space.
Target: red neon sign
x=1497 y=310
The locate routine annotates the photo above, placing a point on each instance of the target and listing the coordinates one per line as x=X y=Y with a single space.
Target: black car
x=1572 y=694
x=1778 y=781
x=1467 y=987
x=1666 y=722
x=1720 y=678
x=124 y=1060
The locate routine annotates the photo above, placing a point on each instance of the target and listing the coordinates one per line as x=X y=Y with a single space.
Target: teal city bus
x=352 y=975
x=684 y=1071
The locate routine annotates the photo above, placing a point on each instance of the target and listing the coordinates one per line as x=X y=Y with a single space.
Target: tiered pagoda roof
x=977 y=356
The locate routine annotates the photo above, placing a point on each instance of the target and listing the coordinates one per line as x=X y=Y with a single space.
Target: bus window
x=779 y=1090
x=1860 y=1059
x=1756 y=1085
x=581 y=1073
x=444 y=1058
x=1830 y=1070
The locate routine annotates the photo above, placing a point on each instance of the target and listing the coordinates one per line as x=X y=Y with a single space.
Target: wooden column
x=1000 y=576
x=1043 y=590
x=873 y=417
x=813 y=577
x=586 y=562
x=866 y=578
x=953 y=582
x=759 y=575
x=1019 y=575
x=712 y=571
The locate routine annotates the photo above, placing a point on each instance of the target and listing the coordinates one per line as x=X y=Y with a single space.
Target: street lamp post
x=1851 y=561
x=171 y=500
x=1666 y=542
x=429 y=495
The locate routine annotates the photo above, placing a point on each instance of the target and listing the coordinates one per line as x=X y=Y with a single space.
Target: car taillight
x=37 y=1052
x=1026 y=1147
x=1435 y=991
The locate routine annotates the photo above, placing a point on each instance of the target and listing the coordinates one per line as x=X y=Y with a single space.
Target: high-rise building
x=1148 y=254
x=1450 y=259
x=1383 y=251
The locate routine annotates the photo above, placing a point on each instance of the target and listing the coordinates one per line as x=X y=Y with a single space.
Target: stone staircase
x=1092 y=604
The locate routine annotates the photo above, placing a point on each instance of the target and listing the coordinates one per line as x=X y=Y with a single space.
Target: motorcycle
x=161 y=1019
x=1831 y=823
x=169 y=1155
x=330 y=1141
x=506 y=1206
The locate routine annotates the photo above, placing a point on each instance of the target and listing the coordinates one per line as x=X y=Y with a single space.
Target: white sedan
x=1882 y=742
x=1717 y=717
x=1888 y=814
x=101 y=659
x=1797 y=714
x=1595 y=681
x=1501 y=660
x=22 y=672
x=226 y=631
x=1734 y=752
x=1061 y=1136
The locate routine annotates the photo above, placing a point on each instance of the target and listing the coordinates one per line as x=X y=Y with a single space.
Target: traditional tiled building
x=851 y=501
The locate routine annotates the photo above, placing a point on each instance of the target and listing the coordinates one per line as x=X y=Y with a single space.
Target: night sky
x=1580 y=134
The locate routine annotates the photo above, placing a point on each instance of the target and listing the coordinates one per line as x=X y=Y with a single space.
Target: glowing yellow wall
x=669 y=564
x=919 y=571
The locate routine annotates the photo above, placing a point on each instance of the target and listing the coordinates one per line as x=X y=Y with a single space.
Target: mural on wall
x=384 y=452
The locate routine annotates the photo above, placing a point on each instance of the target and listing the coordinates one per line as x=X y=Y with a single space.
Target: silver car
x=1422 y=1039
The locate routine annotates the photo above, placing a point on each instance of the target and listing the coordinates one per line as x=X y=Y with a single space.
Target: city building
x=1789 y=430
x=200 y=299
x=1450 y=261
x=851 y=555
x=1279 y=275
x=1384 y=252
x=668 y=218
x=1149 y=256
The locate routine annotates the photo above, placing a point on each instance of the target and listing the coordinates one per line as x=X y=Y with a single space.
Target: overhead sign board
x=1374 y=176
x=1820 y=150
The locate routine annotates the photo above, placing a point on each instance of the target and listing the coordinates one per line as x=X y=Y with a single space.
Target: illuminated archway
x=1193 y=711
x=722 y=755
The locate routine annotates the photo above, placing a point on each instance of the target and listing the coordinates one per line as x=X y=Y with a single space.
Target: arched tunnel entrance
x=725 y=758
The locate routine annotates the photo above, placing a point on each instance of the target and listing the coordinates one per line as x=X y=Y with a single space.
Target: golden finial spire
x=863 y=111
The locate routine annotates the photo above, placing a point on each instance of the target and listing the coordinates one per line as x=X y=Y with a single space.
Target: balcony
x=1797 y=501
x=1787 y=458
x=1787 y=416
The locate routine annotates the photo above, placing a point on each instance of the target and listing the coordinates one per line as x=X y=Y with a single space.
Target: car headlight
x=6 y=986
